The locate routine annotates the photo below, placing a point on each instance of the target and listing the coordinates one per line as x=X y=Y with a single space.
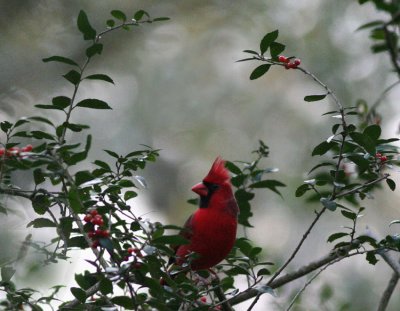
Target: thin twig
x=357 y=189
x=278 y=272
x=308 y=283
x=254 y=301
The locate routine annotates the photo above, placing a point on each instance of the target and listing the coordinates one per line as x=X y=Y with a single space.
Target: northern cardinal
x=211 y=229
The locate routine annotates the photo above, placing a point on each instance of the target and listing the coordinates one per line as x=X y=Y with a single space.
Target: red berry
x=87 y=218
x=292 y=65
x=102 y=233
x=13 y=151
x=378 y=155
x=130 y=250
x=287 y=66
x=1 y=152
x=383 y=159
x=27 y=148
x=91 y=234
x=97 y=220
x=94 y=212
x=282 y=59
x=203 y=299
x=297 y=62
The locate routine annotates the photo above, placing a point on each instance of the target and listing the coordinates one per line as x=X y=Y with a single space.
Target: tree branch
x=335 y=255
x=383 y=303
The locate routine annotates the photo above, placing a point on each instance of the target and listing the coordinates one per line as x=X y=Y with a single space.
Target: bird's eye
x=210 y=186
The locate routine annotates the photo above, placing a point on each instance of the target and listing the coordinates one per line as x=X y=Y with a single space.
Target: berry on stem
x=283 y=59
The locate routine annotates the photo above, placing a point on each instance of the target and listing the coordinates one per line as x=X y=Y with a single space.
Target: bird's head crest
x=218 y=173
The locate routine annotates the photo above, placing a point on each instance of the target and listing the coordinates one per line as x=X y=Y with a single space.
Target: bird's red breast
x=211 y=230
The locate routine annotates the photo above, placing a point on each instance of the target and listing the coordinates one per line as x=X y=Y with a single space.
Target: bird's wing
x=187 y=233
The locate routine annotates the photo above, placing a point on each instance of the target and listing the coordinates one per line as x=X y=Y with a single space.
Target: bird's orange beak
x=200 y=189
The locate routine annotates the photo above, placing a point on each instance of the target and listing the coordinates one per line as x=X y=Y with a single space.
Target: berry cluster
x=289 y=64
x=381 y=158
x=15 y=151
x=95 y=219
x=135 y=253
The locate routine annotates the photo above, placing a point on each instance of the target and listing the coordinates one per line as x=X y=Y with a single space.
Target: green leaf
x=84 y=26
x=126 y=183
x=320 y=165
x=48 y=107
x=171 y=239
x=41 y=223
x=42 y=135
x=323 y=148
x=161 y=19
x=361 y=163
x=77 y=241
x=330 y=205
x=38 y=176
x=93 y=104
x=270 y=184
x=336 y=236
x=314 y=98
x=102 y=77
x=370 y=24
x=73 y=76
x=7 y=273
x=20 y=122
x=243 y=195
x=364 y=141
x=96 y=48
x=124 y=301
x=129 y=195
x=110 y=23
x=119 y=15
x=300 y=191
x=74 y=200
x=276 y=49
x=5 y=126
x=76 y=127
x=105 y=286
x=61 y=101
x=60 y=59
x=250 y=52
x=139 y=15
x=102 y=165
x=82 y=177
x=371 y=258
x=349 y=215
x=79 y=294
x=112 y=153
x=259 y=71
x=373 y=131
x=233 y=168
x=40 y=203
x=391 y=184
x=267 y=40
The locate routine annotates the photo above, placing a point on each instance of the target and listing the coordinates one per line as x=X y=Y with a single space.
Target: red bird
x=211 y=230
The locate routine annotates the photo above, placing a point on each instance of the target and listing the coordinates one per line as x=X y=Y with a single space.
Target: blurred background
x=178 y=88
